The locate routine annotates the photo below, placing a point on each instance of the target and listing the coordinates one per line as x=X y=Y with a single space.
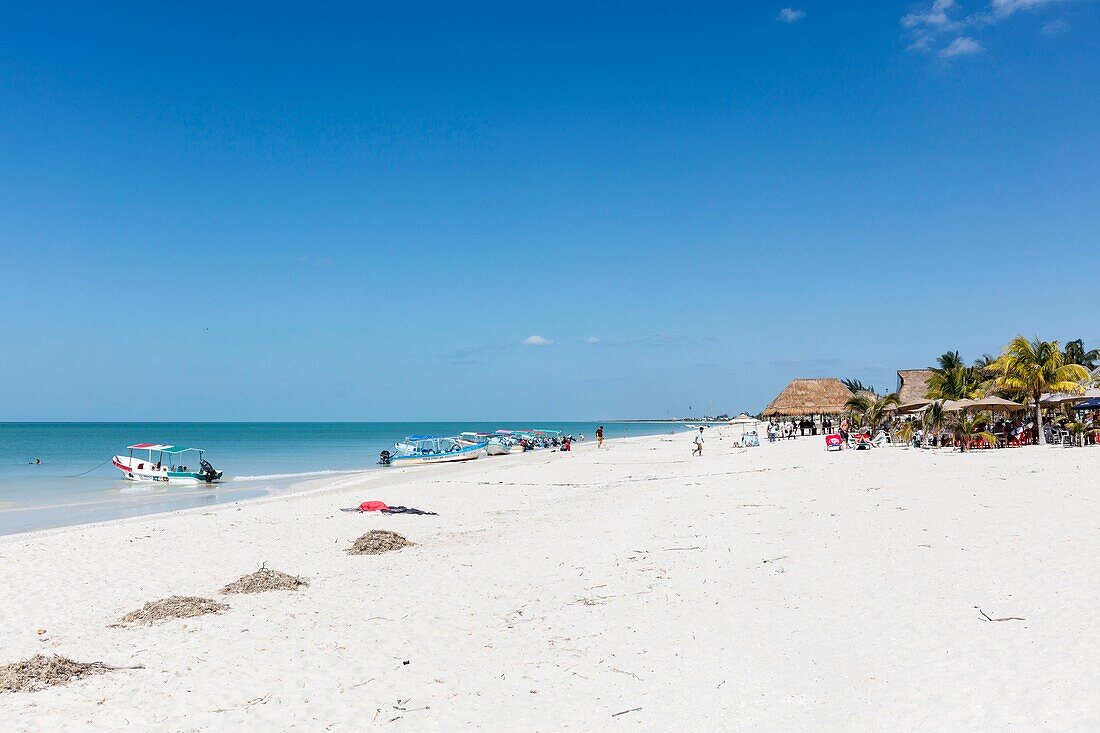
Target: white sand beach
x=779 y=588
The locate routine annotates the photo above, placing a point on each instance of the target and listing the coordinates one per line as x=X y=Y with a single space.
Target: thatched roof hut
x=913 y=385
x=810 y=397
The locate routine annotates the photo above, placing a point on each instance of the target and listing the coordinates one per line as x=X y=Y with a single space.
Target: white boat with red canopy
x=165 y=463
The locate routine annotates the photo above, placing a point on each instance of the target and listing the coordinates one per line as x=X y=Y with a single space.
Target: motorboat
x=421 y=449
x=538 y=438
x=165 y=464
x=512 y=440
x=494 y=445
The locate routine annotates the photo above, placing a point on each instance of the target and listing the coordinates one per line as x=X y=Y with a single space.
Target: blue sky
x=366 y=211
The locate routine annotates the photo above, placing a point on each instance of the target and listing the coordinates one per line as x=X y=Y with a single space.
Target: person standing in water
x=599 y=437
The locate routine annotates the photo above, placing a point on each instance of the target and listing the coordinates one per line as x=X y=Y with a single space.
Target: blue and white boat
x=417 y=450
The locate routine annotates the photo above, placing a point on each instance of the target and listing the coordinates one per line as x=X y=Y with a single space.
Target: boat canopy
x=162 y=448
x=424 y=437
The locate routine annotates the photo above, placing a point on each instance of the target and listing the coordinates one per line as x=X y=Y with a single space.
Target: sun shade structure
x=745 y=422
x=1057 y=398
x=983 y=403
x=993 y=402
x=810 y=397
x=159 y=448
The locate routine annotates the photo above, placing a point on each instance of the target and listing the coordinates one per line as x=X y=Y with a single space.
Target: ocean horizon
x=76 y=483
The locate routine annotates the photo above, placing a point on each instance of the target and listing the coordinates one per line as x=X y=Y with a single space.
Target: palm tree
x=949 y=360
x=857 y=386
x=869 y=409
x=967 y=428
x=905 y=432
x=933 y=419
x=954 y=380
x=1074 y=353
x=984 y=361
x=1032 y=367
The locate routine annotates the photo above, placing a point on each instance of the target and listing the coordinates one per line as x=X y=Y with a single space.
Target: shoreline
x=319 y=482
x=260 y=460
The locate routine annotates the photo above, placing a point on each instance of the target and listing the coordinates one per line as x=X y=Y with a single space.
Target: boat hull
x=467 y=454
x=139 y=470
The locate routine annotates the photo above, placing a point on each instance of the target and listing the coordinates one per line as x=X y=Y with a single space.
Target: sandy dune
x=635 y=588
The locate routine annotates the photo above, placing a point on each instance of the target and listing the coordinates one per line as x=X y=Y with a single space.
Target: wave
x=304 y=474
x=141 y=488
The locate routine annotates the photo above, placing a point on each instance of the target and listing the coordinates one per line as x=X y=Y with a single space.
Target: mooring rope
x=75 y=475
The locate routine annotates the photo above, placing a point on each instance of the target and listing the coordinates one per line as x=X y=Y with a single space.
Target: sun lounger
x=833 y=441
x=859 y=441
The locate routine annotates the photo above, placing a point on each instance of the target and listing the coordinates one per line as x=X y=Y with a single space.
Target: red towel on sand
x=372 y=506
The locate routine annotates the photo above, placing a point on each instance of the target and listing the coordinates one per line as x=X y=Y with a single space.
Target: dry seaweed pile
x=172 y=607
x=41 y=671
x=378 y=541
x=264 y=580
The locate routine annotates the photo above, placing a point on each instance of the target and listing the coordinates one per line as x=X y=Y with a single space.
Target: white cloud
x=1056 y=26
x=1005 y=8
x=592 y=340
x=962 y=46
x=931 y=21
x=536 y=340
x=935 y=16
x=790 y=15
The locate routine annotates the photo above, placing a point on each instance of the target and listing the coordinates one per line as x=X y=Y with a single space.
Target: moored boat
x=421 y=449
x=500 y=444
x=485 y=440
x=165 y=464
x=511 y=441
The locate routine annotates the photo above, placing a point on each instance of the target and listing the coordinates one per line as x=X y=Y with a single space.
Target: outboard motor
x=384 y=458
x=208 y=472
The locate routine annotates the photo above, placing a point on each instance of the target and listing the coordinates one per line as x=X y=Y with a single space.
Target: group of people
x=783 y=431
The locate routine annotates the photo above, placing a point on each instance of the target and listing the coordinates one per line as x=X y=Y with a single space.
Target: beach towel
x=406 y=510
x=381 y=506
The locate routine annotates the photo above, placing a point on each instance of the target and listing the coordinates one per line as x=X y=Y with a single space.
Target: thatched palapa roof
x=810 y=397
x=913 y=385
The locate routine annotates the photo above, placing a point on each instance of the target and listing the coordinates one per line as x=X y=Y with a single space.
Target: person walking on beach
x=599 y=437
x=698 y=449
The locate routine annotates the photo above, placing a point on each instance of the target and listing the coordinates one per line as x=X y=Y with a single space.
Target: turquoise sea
x=76 y=482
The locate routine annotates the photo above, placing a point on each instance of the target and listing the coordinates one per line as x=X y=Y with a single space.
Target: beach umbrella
x=1057 y=398
x=993 y=402
x=955 y=405
x=743 y=421
x=915 y=406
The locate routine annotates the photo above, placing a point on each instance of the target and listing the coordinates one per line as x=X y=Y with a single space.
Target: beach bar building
x=812 y=399
x=913 y=385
